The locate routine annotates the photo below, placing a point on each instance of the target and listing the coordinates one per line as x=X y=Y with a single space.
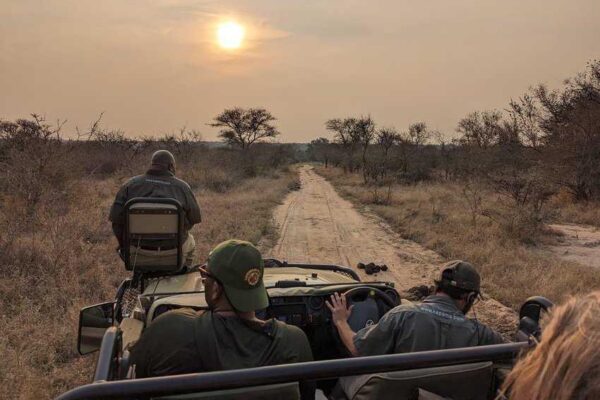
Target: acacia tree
x=411 y=142
x=244 y=127
x=320 y=149
x=480 y=129
x=345 y=136
x=353 y=133
x=417 y=134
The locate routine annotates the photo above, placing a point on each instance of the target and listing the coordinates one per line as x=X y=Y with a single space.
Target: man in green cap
x=439 y=322
x=158 y=181
x=228 y=335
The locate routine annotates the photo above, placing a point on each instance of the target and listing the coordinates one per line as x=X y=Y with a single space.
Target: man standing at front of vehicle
x=439 y=322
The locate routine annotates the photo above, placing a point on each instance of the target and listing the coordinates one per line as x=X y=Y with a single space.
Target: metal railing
x=315 y=370
x=108 y=351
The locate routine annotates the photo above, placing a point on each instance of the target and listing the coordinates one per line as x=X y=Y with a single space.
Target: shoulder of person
x=398 y=313
x=181 y=182
x=402 y=309
x=181 y=315
x=491 y=336
x=295 y=340
x=134 y=179
x=290 y=332
x=487 y=334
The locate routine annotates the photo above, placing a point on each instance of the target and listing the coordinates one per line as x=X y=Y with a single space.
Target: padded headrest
x=153 y=218
x=153 y=236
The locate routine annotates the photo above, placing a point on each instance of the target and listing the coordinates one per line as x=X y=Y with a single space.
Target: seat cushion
x=282 y=391
x=458 y=382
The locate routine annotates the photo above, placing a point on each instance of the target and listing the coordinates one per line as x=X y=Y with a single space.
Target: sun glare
x=230 y=35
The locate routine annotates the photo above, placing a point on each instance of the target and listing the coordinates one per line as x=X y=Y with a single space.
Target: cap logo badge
x=252 y=277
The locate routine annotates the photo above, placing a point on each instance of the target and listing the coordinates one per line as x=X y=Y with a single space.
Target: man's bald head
x=165 y=159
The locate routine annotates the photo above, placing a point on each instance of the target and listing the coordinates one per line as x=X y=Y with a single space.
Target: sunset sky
x=155 y=66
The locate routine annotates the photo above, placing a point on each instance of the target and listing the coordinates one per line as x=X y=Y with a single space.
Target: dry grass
x=440 y=217
x=66 y=259
x=586 y=213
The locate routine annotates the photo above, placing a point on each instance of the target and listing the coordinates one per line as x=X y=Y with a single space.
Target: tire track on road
x=316 y=225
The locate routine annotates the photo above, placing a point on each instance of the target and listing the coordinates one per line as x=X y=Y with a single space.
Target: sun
x=230 y=35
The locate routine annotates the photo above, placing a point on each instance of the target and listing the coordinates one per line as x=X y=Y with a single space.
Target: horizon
x=154 y=67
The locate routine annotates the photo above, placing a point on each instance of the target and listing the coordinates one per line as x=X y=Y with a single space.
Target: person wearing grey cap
x=159 y=181
x=439 y=322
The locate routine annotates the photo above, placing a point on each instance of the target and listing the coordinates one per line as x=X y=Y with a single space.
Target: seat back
x=457 y=382
x=153 y=235
x=281 y=391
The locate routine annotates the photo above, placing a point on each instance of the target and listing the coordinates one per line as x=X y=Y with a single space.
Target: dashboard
x=296 y=310
x=308 y=310
x=304 y=309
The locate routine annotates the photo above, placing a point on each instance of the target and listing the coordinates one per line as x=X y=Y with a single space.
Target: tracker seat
x=153 y=236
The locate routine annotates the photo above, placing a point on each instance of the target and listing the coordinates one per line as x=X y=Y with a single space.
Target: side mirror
x=530 y=315
x=93 y=322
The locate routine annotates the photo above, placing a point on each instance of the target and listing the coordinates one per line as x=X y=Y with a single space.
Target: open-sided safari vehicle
x=297 y=294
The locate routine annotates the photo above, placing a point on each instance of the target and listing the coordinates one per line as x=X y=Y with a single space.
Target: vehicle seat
x=457 y=382
x=281 y=391
x=153 y=236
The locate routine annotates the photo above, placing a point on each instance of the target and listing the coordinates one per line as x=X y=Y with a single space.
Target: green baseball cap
x=239 y=267
x=460 y=274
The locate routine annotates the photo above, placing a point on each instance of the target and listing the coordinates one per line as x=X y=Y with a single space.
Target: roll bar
x=315 y=370
x=271 y=262
x=108 y=350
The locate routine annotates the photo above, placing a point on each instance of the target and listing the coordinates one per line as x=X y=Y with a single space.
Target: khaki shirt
x=435 y=324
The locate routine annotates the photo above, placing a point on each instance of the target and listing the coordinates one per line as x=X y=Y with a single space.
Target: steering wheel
x=366 y=311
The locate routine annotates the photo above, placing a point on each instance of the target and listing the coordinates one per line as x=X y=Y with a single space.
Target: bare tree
x=364 y=131
x=480 y=129
x=445 y=151
x=244 y=127
x=410 y=142
x=386 y=138
x=571 y=127
x=345 y=135
x=527 y=116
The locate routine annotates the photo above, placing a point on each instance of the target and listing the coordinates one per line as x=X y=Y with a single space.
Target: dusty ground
x=578 y=243
x=318 y=226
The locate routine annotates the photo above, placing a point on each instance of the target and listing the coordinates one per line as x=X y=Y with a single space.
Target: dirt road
x=578 y=243
x=316 y=225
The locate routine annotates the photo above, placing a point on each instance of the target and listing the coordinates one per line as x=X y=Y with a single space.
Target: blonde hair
x=566 y=363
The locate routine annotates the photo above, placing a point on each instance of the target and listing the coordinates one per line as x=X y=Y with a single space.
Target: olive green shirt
x=435 y=324
x=185 y=341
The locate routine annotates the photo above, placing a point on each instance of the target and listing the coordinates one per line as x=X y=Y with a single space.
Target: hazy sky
x=153 y=65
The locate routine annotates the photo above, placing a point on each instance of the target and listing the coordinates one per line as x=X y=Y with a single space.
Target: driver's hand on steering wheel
x=340 y=312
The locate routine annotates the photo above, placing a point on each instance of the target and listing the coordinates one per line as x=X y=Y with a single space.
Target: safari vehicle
x=297 y=294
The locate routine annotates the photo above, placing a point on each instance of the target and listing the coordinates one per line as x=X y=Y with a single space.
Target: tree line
x=544 y=142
